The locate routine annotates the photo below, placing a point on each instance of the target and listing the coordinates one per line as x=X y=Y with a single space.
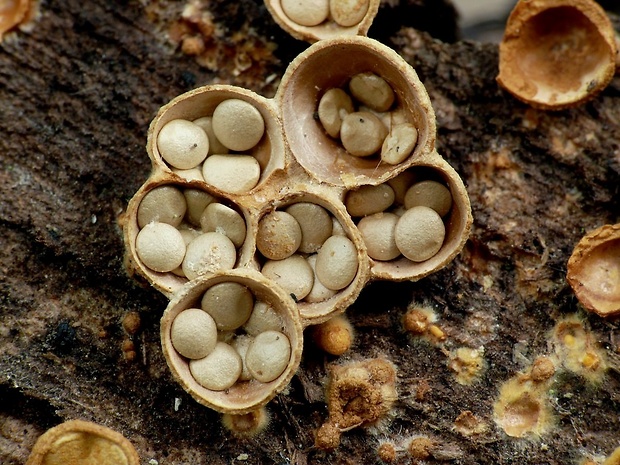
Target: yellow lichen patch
x=467 y=364
x=358 y=394
x=468 y=424
x=81 y=442
x=577 y=350
x=248 y=424
x=522 y=408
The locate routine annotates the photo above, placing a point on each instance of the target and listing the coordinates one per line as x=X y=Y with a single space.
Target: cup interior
x=243 y=396
x=331 y=64
x=269 y=152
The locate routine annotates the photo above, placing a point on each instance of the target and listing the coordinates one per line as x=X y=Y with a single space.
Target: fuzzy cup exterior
x=374 y=383
x=301 y=167
x=78 y=442
x=557 y=53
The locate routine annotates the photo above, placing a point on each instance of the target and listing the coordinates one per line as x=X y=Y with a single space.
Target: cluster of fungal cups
x=249 y=261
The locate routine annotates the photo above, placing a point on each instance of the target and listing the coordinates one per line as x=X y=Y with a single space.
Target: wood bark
x=78 y=89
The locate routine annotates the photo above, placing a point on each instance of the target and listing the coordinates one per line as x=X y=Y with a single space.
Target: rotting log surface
x=77 y=93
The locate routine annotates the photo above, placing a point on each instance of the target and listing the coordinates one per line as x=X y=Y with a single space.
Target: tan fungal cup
x=594 y=270
x=203 y=102
x=331 y=64
x=317 y=306
x=240 y=396
x=323 y=19
x=226 y=253
x=276 y=198
x=557 y=53
x=82 y=442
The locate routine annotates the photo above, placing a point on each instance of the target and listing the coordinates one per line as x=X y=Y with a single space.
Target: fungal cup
x=243 y=396
x=202 y=102
x=317 y=311
x=326 y=29
x=331 y=64
x=299 y=164
x=78 y=441
x=557 y=53
x=457 y=227
x=171 y=281
x=594 y=270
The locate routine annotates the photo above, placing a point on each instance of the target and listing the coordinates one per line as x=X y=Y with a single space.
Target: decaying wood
x=78 y=90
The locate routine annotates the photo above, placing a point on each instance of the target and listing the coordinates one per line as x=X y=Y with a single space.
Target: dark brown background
x=77 y=92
